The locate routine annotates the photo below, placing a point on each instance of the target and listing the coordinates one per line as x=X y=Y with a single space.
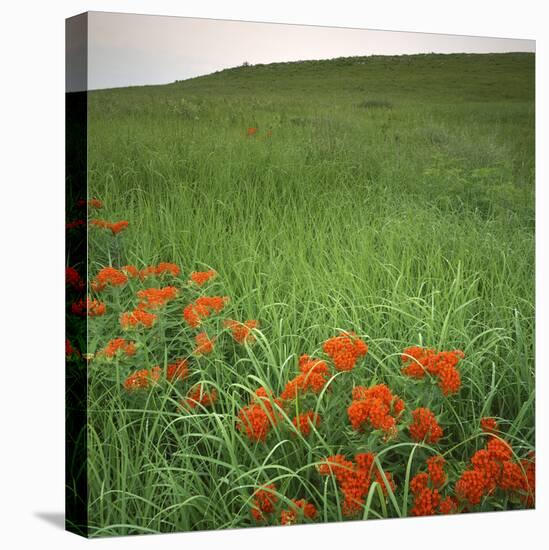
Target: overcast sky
x=127 y=49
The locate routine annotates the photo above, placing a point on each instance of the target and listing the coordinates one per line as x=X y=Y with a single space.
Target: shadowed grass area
x=390 y=196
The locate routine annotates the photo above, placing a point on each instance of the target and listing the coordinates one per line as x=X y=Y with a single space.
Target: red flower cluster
x=424 y=426
x=204 y=344
x=301 y=508
x=251 y=131
x=493 y=468
x=313 y=377
x=92 y=203
x=375 y=408
x=242 y=332
x=92 y=308
x=489 y=425
x=425 y=487
x=264 y=501
x=75 y=224
x=345 y=350
x=418 y=362
x=201 y=277
x=119 y=344
x=304 y=421
x=130 y=270
x=258 y=418
x=136 y=318
x=203 y=307
x=177 y=371
x=108 y=276
x=69 y=350
x=72 y=278
x=115 y=227
x=143 y=379
x=162 y=268
x=199 y=396
x=155 y=298
x=355 y=478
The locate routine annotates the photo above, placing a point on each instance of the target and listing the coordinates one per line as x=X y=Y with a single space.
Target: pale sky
x=129 y=50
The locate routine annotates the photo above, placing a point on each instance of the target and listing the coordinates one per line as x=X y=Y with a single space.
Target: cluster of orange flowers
x=355 y=478
x=304 y=421
x=108 y=276
x=424 y=426
x=155 y=298
x=137 y=318
x=257 y=419
x=264 y=501
x=145 y=378
x=375 y=408
x=202 y=308
x=345 y=350
x=119 y=344
x=163 y=268
x=204 y=344
x=115 y=227
x=312 y=378
x=242 y=332
x=89 y=307
x=300 y=507
x=419 y=362
x=425 y=487
x=493 y=468
x=75 y=224
x=264 y=504
x=92 y=203
x=200 y=396
x=202 y=277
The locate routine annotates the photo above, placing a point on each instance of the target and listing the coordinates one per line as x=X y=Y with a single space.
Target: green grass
x=395 y=198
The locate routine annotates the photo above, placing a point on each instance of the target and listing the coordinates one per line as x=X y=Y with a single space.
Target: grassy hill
x=389 y=196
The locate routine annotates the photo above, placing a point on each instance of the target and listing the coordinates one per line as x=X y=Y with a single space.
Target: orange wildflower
x=489 y=425
x=204 y=344
x=109 y=276
x=178 y=371
x=258 y=418
x=301 y=508
x=130 y=270
x=92 y=308
x=92 y=203
x=137 y=318
x=251 y=131
x=242 y=332
x=304 y=421
x=419 y=362
x=142 y=379
x=345 y=350
x=425 y=488
x=119 y=344
x=264 y=501
x=375 y=408
x=155 y=298
x=424 y=426
x=355 y=478
x=199 y=396
x=201 y=277
x=115 y=227
x=162 y=268
x=493 y=468
x=313 y=377
x=203 y=307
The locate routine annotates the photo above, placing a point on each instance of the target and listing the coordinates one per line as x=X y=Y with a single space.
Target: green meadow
x=388 y=196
